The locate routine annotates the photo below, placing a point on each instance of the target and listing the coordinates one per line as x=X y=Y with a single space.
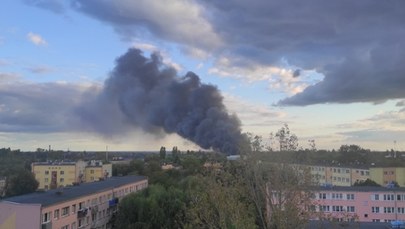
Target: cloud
x=179 y=21
x=55 y=6
x=36 y=39
x=40 y=69
x=8 y=77
x=357 y=47
x=40 y=107
x=254 y=116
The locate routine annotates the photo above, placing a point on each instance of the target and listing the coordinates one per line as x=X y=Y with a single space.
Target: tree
x=287 y=140
x=218 y=200
x=154 y=207
x=352 y=154
x=22 y=182
x=162 y=152
x=367 y=182
x=255 y=142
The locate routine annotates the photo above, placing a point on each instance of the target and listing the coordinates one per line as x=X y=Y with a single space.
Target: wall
x=19 y=216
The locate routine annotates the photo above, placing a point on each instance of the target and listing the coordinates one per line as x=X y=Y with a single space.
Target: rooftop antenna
x=395 y=148
x=106 y=153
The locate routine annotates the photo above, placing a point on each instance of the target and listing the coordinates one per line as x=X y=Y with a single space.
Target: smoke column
x=144 y=93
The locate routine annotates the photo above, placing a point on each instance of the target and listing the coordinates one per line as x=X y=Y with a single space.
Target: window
x=62 y=172
x=65 y=211
x=46 y=180
x=350 y=209
x=401 y=210
x=375 y=197
x=62 y=179
x=388 y=197
x=347 y=171
x=81 y=205
x=376 y=220
x=46 y=217
x=388 y=210
x=56 y=214
x=46 y=172
x=73 y=225
x=324 y=208
x=350 y=196
x=91 y=171
x=375 y=209
x=74 y=208
x=65 y=227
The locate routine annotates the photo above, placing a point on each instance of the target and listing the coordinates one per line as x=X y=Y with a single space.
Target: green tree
x=367 y=182
x=155 y=207
x=219 y=200
x=287 y=140
x=22 y=182
x=162 y=153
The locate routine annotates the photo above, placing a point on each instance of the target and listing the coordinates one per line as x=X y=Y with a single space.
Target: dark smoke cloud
x=143 y=93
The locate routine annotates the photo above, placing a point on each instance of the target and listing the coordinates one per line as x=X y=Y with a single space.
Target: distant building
x=85 y=206
x=51 y=175
x=336 y=175
x=386 y=175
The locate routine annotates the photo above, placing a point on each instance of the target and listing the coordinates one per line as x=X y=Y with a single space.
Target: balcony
x=47 y=225
x=113 y=202
x=82 y=213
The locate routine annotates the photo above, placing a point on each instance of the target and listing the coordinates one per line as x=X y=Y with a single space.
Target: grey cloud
x=177 y=21
x=44 y=107
x=143 y=93
x=358 y=46
x=400 y=103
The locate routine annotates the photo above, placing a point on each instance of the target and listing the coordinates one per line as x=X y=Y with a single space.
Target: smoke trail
x=144 y=93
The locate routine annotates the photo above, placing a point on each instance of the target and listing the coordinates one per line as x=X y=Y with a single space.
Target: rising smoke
x=144 y=93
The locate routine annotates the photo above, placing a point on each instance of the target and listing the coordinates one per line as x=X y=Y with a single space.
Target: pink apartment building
x=90 y=205
x=363 y=204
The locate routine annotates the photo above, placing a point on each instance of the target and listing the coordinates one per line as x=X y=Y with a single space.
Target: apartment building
x=363 y=204
x=336 y=175
x=88 y=205
x=386 y=175
x=51 y=175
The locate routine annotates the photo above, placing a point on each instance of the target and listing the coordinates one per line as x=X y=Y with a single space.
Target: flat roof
x=360 y=189
x=73 y=192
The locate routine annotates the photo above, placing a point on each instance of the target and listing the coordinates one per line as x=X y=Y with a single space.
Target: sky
x=332 y=70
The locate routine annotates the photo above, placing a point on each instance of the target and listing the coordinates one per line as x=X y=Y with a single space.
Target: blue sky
x=332 y=70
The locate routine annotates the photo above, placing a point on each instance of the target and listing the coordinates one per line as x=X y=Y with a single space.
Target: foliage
x=287 y=140
x=367 y=182
x=219 y=200
x=281 y=193
x=22 y=182
x=162 y=152
x=155 y=207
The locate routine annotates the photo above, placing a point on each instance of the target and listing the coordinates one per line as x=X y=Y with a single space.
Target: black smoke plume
x=144 y=93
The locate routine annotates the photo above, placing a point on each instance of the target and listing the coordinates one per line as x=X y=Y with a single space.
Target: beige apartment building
x=84 y=206
x=51 y=175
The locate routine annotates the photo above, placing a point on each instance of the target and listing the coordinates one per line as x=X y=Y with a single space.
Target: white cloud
x=36 y=39
x=278 y=78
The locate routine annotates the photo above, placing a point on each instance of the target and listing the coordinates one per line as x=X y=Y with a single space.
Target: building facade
x=51 y=175
x=88 y=205
x=386 y=175
x=363 y=204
